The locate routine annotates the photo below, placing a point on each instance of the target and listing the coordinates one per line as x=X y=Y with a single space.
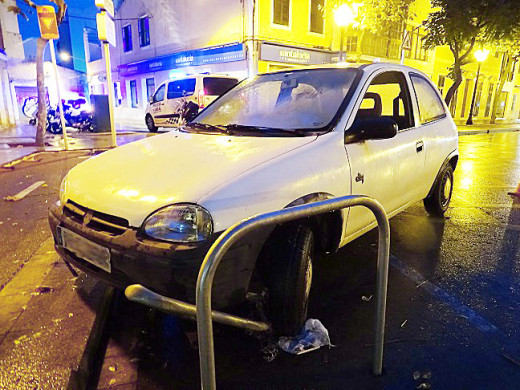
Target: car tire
x=150 y=124
x=290 y=278
x=437 y=203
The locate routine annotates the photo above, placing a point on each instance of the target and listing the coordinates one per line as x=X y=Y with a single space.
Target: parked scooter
x=78 y=119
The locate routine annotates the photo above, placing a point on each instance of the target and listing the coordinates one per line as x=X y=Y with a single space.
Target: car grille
x=95 y=220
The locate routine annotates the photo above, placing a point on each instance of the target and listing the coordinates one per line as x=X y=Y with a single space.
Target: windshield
x=293 y=100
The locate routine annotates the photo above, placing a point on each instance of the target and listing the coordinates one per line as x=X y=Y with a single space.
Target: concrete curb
x=87 y=374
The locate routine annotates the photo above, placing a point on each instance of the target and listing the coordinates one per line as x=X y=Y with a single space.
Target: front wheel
x=290 y=278
x=150 y=124
x=437 y=202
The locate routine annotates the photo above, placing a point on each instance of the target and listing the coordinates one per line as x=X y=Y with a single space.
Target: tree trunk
x=456 y=83
x=42 y=106
x=504 y=71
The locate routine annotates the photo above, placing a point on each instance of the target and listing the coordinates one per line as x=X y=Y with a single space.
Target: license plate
x=85 y=249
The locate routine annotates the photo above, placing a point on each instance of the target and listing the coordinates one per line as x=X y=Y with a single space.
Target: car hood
x=134 y=180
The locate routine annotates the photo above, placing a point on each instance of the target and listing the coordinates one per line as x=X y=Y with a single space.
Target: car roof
x=365 y=67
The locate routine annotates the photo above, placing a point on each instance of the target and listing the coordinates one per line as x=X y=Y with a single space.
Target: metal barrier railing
x=205 y=315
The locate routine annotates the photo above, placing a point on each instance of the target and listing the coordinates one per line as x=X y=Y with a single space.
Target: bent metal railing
x=202 y=310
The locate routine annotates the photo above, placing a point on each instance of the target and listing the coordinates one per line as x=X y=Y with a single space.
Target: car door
x=438 y=129
x=157 y=105
x=385 y=169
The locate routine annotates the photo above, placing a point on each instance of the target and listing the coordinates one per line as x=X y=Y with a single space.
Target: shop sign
x=293 y=55
x=211 y=55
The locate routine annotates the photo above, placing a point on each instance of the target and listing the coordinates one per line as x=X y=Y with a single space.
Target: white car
x=165 y=106
x=147 y=212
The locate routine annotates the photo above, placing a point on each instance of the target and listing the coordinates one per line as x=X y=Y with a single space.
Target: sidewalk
x=17 y=142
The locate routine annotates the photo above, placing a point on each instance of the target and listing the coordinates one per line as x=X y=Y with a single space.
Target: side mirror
x=371 y=128
x=150 y=99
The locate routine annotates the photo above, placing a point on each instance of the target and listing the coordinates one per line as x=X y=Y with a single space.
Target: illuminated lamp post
x=344 y=16
x=481 y=56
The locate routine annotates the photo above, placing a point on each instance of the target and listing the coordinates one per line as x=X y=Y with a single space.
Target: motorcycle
x=78 y=119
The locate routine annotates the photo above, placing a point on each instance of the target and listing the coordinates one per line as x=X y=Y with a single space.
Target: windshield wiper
x=234 y=126
x=220 y=129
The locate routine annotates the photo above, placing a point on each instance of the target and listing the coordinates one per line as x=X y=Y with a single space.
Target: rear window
x=430 y=105
x=181 y=88
x=216 y=86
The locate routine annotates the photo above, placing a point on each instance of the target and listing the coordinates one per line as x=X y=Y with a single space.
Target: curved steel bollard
x=237 y=231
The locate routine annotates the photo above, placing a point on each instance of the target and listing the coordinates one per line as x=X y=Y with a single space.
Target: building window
x=281 y=12
x=453 y=103
x=127 y=38
x=317 y=16
x=143 y=27
x=502 y=102
x=117 y=93
x=351 y=44
x=489 y=99
x=150 y=87
x=133 y=93
x=441 y=83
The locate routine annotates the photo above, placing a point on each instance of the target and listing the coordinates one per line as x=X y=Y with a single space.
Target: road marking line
x=25 y=192
x=442 y=295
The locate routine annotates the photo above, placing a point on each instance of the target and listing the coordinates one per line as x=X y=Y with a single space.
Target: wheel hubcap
x=446 y=193
x=308 y=278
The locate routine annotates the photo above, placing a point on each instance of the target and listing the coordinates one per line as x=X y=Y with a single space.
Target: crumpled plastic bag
x=312 y=336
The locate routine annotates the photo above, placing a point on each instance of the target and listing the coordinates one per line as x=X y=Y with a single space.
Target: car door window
x=159 y=95
x=181 y=88
x=388 y=96
x=430 y=104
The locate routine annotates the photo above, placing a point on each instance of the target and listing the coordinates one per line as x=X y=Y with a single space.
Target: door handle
x=419 y=146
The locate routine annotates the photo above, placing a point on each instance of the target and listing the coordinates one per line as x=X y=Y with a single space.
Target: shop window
x=489 y=99
x=143 y=27
x=478 y=97
x=150 y=87
x=281 y=12
x=430 y=105
x=317 y=16
x=127 y=38
x=133 y=94
x=441 y=83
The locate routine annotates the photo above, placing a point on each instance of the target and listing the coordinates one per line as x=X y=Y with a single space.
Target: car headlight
x=179 y=223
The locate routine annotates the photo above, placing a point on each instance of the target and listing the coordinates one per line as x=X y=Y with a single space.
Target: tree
x=18 y=8
x=460 y=24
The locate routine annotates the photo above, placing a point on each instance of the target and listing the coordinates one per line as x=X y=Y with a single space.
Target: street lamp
x=481 y=56
x=344 y=15
x=64 y=56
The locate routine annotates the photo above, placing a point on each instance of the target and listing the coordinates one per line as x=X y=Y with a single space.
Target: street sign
x=407 y=41
x=106 y=28
x=106 y=5
x=47 y=22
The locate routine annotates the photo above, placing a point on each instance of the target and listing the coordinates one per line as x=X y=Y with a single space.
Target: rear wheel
x=150 y=124
x=290 y=278
x=438 y=202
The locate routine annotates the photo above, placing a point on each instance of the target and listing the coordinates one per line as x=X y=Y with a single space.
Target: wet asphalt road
x=453 y=302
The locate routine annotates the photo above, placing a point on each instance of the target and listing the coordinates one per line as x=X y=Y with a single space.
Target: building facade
x=163 y=39
x=11 y=54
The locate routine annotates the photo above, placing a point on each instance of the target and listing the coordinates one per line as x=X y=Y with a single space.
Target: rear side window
x=430 y=104
x=181 y=88
x=216 y=86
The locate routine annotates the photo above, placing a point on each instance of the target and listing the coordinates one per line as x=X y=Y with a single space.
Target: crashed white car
x=147 y=212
